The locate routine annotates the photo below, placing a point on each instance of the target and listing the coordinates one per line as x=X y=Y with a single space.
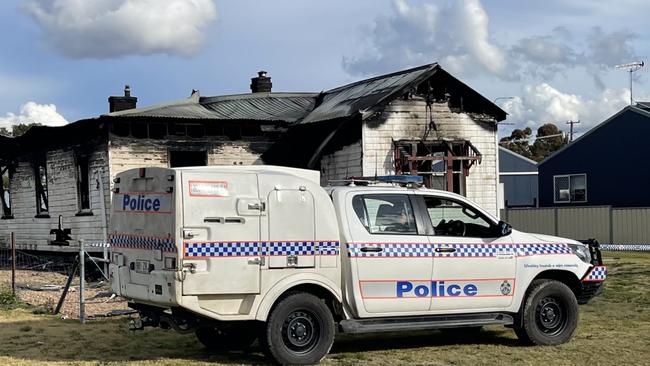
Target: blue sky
x=63 y=58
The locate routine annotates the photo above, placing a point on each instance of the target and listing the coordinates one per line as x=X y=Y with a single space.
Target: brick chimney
x=261 y=83
x=116 y=104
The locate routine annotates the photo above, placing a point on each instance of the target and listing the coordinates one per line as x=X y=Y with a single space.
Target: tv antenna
x=630 y=68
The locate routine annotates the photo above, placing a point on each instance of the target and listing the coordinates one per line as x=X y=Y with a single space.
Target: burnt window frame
x=83 y=160
x=6 y=169
x=41 y=192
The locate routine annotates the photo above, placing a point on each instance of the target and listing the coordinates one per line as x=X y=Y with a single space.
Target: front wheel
x=300 y=330
x=549 y=315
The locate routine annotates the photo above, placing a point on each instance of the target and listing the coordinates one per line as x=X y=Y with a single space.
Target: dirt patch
x=43 y=290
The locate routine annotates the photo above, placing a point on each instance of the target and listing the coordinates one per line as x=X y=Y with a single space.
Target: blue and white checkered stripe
x=222 y=249
x=477 y=250
x=416 y=250
x=328 y=247
x=289 y=248
x=253 y=248
x=597 y=274
x=142 y=242
x=543 y=249
x=626 y=247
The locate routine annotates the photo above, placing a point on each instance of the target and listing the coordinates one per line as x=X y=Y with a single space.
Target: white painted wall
x=407 y=119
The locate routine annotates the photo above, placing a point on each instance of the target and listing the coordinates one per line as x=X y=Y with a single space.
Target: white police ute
x=238 y=254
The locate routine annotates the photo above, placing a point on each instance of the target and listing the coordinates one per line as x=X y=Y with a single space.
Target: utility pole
x=571 y=129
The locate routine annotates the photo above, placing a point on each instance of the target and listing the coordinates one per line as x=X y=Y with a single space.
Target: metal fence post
x=13 y=263
x=82 y=279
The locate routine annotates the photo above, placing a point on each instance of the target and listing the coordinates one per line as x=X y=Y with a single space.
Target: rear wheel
x=549 y=315
x=231 y=338
x=300 y=330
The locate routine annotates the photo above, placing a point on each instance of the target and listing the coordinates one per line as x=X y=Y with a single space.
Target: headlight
x=581 y=251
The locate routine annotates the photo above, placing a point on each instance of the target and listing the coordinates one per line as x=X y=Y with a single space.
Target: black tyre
x=232 y=338
x=549 y=315
x=300 y=330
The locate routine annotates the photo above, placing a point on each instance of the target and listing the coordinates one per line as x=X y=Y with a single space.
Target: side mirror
x=504 y=228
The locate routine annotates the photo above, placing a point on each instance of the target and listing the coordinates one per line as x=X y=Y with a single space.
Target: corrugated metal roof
x=361 y=96
x=287 y=107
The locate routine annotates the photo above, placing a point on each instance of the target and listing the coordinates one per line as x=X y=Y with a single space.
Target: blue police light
x=400 y=179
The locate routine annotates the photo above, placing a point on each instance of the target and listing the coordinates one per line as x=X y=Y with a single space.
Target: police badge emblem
x=506 y=288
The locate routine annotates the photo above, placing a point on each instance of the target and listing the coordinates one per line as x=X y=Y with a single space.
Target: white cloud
x=456 y=33
x=32 y=112
x=542 y=103
x=114 y=28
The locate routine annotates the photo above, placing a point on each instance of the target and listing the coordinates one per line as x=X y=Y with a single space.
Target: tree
x=518 y=142
x=549 y=139
x=5 y=132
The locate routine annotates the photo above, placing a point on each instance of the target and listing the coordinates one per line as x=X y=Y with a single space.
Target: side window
x=40 y=180
x=5 y=190
x=385 y=213
x=83 y=182
x=452 y=218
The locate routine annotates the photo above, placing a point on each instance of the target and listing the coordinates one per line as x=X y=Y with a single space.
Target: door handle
x=371 y=249
x=189 y=234
x=445 y=250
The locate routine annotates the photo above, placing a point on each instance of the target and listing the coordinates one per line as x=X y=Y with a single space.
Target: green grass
x=7 y=299
x=614 y=329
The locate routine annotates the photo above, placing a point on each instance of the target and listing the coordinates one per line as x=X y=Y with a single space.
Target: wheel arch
x=566 y=277
x=322 y=288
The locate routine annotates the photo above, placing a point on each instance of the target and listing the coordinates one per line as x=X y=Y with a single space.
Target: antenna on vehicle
x=630 y=68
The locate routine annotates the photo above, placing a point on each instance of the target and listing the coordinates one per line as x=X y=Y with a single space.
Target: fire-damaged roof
x=359 y=98
x=287 y=107
x=314 y=118
x=366 y=96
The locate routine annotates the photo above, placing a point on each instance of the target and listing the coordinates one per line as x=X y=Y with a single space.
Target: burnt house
x=419 y=121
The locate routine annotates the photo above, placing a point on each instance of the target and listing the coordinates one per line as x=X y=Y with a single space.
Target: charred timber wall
x=409 y=119
x=33 y=232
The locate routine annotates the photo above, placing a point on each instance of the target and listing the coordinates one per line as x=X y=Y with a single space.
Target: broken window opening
x=6 y=173
x=178 y=159
x=444 y=165
x=83 y=183
x=40 y=181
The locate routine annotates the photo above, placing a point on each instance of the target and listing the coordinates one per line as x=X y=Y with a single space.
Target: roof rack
x=401 y=180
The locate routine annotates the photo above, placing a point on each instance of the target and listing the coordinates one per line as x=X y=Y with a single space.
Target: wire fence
x=41 y=278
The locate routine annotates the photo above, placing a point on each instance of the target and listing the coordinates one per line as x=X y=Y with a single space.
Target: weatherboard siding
x=34 y=233
x=408 y=119
x=342 y=164
x=129 y=153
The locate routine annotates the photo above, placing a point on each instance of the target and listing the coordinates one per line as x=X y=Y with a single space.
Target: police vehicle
x=238 y=254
